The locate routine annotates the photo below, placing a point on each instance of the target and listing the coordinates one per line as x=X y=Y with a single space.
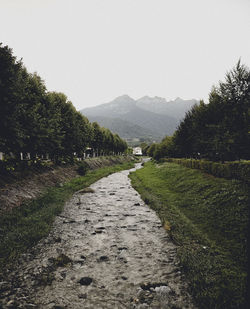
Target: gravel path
x=106 y=250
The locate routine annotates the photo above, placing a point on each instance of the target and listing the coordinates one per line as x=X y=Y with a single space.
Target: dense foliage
x=42 y=123
x=231 y=169
x=219 y=130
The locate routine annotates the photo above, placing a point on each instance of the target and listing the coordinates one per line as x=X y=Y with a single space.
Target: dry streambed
x=106 y=250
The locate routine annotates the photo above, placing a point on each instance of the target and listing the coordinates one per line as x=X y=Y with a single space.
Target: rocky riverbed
x=106 y=250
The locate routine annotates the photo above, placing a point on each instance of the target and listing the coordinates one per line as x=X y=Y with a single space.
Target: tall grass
x=208 y=218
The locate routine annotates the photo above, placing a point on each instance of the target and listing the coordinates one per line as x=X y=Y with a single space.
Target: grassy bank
x=26 y=225
x=207 y=217
x=231 y=170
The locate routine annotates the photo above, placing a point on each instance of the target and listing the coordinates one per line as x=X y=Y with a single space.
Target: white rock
x=162 y=290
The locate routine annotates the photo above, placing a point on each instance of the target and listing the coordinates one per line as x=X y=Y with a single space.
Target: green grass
x=207 y=217
x=25 y=226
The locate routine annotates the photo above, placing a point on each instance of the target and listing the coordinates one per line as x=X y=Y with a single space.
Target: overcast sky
x=96 y=50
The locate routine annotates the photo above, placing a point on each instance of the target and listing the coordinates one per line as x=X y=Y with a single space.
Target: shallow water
x=106 y=250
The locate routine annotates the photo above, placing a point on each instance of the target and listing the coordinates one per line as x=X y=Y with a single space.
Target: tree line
x=42 y=123
x=219 y=130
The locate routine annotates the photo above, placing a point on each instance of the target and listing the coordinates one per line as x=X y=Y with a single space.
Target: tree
x=31 y=113
x=10 y=78
x=40 y=122
x=144 y=146
x=234 y=96
x=219 y=130
x=97 y=139
x=151 y=150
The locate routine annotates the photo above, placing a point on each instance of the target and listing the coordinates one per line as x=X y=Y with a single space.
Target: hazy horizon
x=95 y=51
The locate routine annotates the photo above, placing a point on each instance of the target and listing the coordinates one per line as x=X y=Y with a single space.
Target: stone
x=103 y=258
x=31 y=306
x=85 y=281
x=10 y=303
x=122 y=248
x=85 y=190
x=69 y=221
x=162 y=290
x=82 y=296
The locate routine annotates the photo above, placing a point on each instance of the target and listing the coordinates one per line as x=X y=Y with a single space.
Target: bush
x=82 y=168
x=230 y=170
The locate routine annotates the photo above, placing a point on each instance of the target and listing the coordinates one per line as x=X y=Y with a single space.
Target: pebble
x=162 y=290
x=85 y=281
x=83 y=296
x=103 y=258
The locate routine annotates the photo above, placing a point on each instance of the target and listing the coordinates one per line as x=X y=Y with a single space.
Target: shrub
x=230 y=170
x=82 y=168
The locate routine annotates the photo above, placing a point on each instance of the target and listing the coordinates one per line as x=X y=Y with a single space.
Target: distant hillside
x=124 y=128
x=147 y=118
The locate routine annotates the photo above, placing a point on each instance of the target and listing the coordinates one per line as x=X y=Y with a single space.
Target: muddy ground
x=106 y=250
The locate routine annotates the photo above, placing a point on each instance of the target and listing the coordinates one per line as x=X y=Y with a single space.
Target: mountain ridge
x=147 y=118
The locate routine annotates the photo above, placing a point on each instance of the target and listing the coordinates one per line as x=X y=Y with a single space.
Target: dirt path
x=106 y=250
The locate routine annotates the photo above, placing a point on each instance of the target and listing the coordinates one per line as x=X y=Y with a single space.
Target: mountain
x=124 y=128
x=146 y=119
x=175 y=109
x=118 y=107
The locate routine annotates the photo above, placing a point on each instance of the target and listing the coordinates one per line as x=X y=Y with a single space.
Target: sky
x=96 y=50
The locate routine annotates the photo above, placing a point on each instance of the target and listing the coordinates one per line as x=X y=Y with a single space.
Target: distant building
x=137 y=151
